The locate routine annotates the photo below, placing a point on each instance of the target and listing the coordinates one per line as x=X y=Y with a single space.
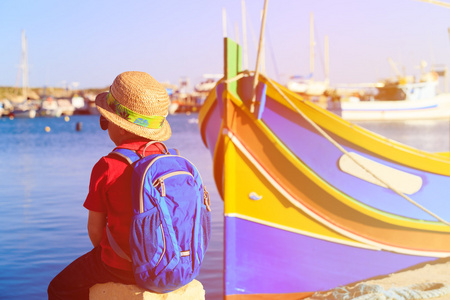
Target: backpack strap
x=166 y=150
x=115 y=246
x=130 y=156
x=174 y=151
x=154 y=142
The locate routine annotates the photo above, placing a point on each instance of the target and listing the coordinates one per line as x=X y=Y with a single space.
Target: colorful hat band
x=153 y=122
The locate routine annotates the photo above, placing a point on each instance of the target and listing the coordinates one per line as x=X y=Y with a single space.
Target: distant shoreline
x=15 y=94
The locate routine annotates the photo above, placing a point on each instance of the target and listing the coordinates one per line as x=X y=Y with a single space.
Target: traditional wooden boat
x=312 y=201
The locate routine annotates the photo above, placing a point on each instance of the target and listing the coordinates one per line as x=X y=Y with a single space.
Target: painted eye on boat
x=254 y=196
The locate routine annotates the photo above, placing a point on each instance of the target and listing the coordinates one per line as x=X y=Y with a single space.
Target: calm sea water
x=44 y=179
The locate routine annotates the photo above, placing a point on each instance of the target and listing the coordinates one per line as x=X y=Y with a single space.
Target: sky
x=88 y=42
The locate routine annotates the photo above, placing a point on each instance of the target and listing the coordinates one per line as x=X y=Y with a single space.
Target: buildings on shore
x=49 y=102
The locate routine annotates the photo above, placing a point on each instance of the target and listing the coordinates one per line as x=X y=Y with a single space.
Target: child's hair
x=130 y=135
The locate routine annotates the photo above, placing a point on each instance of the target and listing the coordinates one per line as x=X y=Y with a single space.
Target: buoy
x=66 y=118
x=47 y=129
x=79 y=126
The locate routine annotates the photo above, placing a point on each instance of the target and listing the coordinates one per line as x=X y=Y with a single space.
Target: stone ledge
x=119 y=291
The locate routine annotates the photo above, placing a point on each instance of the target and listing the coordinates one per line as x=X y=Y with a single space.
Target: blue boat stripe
x=261 y=98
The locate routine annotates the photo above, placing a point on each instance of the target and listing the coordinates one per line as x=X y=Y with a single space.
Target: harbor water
x=44 y=179
x=44 y=176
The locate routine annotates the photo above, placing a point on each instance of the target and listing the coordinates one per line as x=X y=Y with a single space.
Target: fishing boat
x=312 y=201
x=402 y=99
x=50 y=108
x=208 y=83
x=24 y=110
x=306 y=86
x=173 y=107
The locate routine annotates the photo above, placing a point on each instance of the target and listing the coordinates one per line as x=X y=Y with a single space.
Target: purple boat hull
x=274 y=258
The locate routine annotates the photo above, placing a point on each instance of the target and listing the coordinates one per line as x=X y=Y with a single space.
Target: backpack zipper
x=141 y=200
x=160 y=180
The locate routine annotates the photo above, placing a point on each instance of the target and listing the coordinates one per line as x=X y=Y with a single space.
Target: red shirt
x=110 y=193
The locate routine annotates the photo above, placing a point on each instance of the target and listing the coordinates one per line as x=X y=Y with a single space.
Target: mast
x=327 y=62
x=263 y=51
x=311 y=46
x=224 y=22
x=244 y=37
x=258 y=57
x=24 y=66
x=236 y=32
x=446 y=71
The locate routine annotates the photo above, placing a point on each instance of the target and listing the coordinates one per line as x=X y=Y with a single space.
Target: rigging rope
x=441 y=3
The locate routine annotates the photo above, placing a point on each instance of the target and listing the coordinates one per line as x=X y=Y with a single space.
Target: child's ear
x=122 y=131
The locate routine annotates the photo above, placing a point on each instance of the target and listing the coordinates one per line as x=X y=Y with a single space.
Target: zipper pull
x=206 y=199
x=163 y=187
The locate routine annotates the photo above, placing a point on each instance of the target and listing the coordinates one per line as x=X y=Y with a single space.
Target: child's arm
x=96 y=225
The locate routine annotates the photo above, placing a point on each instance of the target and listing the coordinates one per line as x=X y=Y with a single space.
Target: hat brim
x=160 y=134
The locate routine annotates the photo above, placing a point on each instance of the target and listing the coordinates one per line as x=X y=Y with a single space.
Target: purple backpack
x=171 y=224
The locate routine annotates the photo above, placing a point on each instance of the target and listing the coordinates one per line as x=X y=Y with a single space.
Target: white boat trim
x=302 y=232
x=403 y=182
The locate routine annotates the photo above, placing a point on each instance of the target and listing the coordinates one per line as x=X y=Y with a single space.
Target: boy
x=134 y=112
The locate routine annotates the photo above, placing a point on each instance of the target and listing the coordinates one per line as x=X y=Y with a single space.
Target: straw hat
x=137 y=103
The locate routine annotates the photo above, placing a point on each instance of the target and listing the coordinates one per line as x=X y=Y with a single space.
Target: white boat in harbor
x=306 y=86
x=401 y=100
x=66 y=107
x=50 y=108
x=209 y=82
x=23 y=110
x=78 y=103
x=173 y=107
